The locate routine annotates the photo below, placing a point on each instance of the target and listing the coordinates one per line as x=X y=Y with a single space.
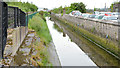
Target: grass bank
x=39 y=25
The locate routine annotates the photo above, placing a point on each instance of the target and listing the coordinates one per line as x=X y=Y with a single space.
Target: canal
x=73 y=50
x=69 y=53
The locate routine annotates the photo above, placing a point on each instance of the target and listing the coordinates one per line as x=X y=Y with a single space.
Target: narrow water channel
x=69 y=53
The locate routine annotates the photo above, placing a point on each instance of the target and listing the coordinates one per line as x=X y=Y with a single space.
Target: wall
x=100 y=28
x=19 y=35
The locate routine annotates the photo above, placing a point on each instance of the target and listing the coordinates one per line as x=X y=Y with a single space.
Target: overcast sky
x=50 y=4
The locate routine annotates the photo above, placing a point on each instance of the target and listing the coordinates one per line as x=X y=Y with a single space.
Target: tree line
x=74 y=6
x=24 y=6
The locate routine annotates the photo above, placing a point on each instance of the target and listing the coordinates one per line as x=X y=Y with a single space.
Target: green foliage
x=93 y=29
x=57 y=28
x=25 y=6
x=111 y=7
x=58 y=10
x=78 y=6
x=74 y=6
x=96 y=9
x=67 y=10
x=40 y=26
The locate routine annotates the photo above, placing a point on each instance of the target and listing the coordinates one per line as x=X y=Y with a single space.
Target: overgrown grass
x=39 y=25
x=41 y=58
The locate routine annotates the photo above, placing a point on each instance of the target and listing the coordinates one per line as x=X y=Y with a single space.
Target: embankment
x=84 y=27
x=45 y=49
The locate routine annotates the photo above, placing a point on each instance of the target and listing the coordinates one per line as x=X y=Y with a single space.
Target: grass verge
x=38 y=24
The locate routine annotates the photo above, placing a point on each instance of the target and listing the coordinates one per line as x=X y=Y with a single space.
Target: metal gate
x=3 y=26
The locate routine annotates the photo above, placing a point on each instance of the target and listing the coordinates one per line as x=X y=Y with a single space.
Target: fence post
x=3 y=27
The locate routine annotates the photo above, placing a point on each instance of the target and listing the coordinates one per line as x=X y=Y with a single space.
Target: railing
x=3 y=26
x=11 y=17
x=16 y=17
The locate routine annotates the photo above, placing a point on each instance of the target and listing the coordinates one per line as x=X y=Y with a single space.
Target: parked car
x=99 y=16
x=92 y=16
x=96 y=12
x=75 y=13
x=113 y=18
x=71 y=14
x=105 y=13
x=85 y=15
x=116 y=14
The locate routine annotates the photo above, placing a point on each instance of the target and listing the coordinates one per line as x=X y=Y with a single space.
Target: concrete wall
x=19 y=35
x=98 y=27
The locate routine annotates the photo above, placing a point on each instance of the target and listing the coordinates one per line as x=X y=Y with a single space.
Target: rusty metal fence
x=15 y=18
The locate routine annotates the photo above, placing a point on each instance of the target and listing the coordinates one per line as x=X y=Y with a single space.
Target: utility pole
x=105 y=7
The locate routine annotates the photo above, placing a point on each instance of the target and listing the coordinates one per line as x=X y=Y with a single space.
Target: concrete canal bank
x=98 y=55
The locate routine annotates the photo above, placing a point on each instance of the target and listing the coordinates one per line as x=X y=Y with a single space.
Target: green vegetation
x=74 y=6
x=111 y=7
x=78 y=6
x=41 y=58
x=57 y=27
x=38 y=24
x=25 y=6
x=96 y=9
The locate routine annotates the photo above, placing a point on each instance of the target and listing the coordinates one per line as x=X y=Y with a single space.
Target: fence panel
x=11 y=17
x=3 y=27
x=22 y=18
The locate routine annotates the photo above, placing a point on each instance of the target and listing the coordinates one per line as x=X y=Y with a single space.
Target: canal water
x=69 y=53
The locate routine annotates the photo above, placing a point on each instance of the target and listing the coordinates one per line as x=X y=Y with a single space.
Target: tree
x=78 y=6
x=25 y=6
x=111 y=7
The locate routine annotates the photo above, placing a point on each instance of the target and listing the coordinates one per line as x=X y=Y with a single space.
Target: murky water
x=69 y=53
x=97 y=55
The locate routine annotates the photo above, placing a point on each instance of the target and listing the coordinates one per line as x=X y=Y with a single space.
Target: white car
x=75 y=13
x=112 y=18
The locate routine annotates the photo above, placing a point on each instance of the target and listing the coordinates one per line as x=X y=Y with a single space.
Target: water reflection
x=99 y=56
x=69 y=53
